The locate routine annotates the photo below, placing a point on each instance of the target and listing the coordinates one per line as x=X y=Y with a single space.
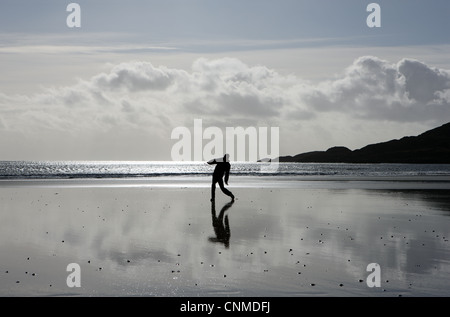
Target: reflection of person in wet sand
x=220 y=224
x=222 y=169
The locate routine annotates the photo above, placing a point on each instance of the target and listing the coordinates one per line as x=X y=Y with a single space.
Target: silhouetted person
x=222 y=169
x=221 y=224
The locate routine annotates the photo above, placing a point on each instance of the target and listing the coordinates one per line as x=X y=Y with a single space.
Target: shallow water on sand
x=171 y=241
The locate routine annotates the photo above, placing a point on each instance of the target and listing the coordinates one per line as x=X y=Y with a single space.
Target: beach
x=163 y=237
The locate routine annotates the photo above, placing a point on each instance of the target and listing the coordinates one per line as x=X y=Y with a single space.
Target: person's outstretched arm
x=215 y=160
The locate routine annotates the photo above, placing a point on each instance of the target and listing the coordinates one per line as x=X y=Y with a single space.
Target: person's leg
x=213 y=190
x=224 y=190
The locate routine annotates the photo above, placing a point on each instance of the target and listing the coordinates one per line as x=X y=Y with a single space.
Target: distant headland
x=430 y=147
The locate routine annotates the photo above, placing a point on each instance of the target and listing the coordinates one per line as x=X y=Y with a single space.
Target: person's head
x=226 y=157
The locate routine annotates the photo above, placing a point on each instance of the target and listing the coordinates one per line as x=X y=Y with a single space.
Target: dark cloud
x=251 y=105
x=422 y=82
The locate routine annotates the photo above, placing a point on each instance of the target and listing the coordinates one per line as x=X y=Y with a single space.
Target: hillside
x=431 y=147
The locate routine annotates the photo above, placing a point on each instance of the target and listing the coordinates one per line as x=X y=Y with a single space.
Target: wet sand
x=156 y=238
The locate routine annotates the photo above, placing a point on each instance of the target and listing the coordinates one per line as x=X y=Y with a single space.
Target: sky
x=117 y=86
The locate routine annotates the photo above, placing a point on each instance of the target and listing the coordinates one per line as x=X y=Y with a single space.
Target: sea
x=141 y=169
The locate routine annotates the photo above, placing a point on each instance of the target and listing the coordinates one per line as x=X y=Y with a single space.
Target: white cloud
x=137 y=76
x=374 y=89
x=137 y=101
